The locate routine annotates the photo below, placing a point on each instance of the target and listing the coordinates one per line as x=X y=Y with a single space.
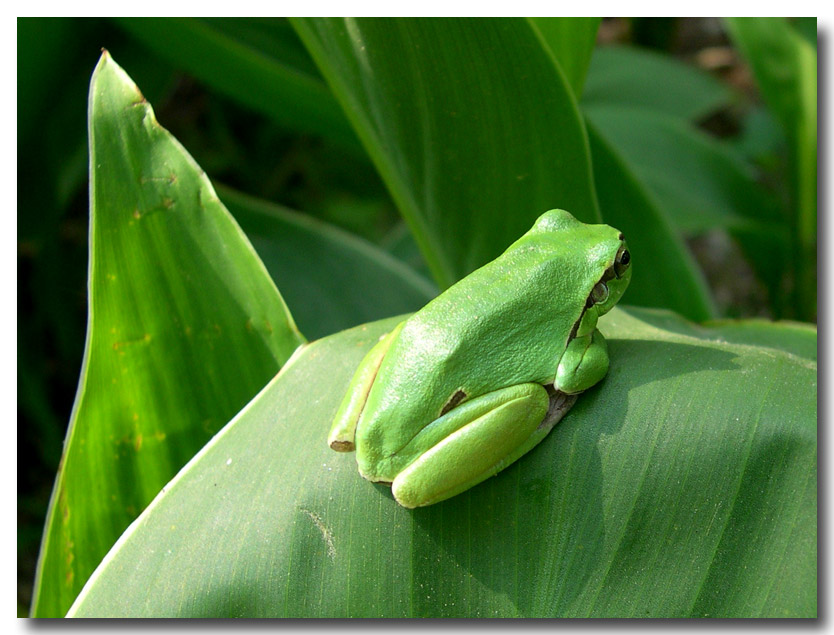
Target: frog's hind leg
x=343 y=430
x=495 y=430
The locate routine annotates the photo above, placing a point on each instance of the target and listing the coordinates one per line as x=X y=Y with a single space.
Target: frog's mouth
x=613 y=283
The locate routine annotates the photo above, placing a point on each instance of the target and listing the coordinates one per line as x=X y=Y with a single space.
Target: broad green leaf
x=785 y=66
x=683 y=485
x=571 y=40
x=185 y=326
x=797 y=338
x=625 y=76
x=665 y=274
x=332 y=280
x=256 y=62
x=700 y=185
x=469 y=122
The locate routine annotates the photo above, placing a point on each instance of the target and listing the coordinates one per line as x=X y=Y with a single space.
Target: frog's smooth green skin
x=480 y=375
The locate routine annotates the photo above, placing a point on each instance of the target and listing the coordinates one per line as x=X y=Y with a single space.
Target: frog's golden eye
x=599 y=294
x=622 y=261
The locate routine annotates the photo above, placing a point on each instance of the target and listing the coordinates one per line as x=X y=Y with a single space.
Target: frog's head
x=599 y=254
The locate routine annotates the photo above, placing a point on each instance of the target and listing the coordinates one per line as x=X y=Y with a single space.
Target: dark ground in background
x=298 y=171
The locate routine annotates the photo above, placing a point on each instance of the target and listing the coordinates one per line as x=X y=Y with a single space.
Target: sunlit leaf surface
x=185 y=326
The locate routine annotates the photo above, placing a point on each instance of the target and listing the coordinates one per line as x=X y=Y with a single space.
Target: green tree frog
x=476 y=378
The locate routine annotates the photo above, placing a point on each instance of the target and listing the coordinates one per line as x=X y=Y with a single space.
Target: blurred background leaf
x=629 y=76
x=259 y=62
x=700 y=185
x=784 y=64
x=715 y=160
x=677 y=283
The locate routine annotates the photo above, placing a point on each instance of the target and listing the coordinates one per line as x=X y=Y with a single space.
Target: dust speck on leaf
x=326 y=534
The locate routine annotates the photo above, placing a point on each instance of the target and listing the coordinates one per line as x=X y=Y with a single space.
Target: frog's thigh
x=584 y=363
x=478 y=449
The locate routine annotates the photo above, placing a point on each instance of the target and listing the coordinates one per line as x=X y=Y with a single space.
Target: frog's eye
x=622 y=262
x=599 y=294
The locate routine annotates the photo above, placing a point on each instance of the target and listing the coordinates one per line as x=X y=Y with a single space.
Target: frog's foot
x=495 y=430
x=558 y=407
x=342 y=436
x=583 y=364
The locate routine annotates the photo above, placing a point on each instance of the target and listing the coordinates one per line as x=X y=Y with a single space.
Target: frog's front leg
x=342 y=436
x=583 y=364
x=489 y=433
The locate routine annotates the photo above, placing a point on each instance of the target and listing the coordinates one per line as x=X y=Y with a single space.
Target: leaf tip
x=107 y=71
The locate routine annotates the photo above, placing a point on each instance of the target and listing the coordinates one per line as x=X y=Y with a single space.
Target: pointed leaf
x=683 y=485
x=184 y=327
x=698 y=181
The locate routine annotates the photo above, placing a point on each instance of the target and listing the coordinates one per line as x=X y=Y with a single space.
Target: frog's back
x=511 y=319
